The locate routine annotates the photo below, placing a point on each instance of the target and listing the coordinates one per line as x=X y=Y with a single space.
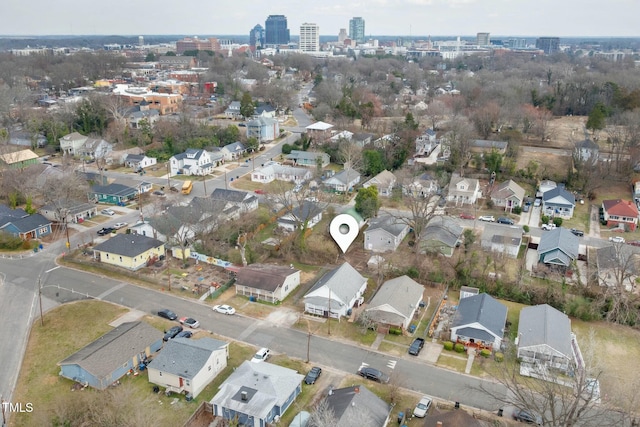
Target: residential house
x=263 y=129
x=188 y=365
x=19 y=159
x=587 y=151
x=306 y=213
x=344 y=135
x=636 y=191
x=230 y=152
x=544 y=338
x=75 y=212
x=137 y=162
x=621 y=213
x=141 y=115
x=71 y=143
x=479 y=321
x=484 y=146
x=422 y=186
x=336 y=293
x=233 y=111
x=319 y=131
x=191 y=162
x=265 y=111
x=117 y=157
x=468 y=291
x=396 y=303
x=442 y=235
x=144 y=228
x=558 y=202
x=267 y=282
x=107 y=359
x=463 y=191
x=7 y=214
x=356 y=405
x=29 y=227
x=256 y=394
x=545 y=186
x=618 y=266
x=343 y=181
x=240 y=201
x=558 y=247
x=385 y=181
x=113 y=194
x=130 y=251
x=508 y=195
x=502 y=239
x=426 y=143
x=362 y=139
x=384 y=234
x=95 y=148
x=140 y=186
x=308 y=158
x=278 y=172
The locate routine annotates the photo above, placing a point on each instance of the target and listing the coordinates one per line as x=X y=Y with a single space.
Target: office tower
x=140 y=41
x=309 y=38
x=342 y=35
x=276 y=31
x=483 y=39
x=256 y=36
x=356 y=29
x=549 y=45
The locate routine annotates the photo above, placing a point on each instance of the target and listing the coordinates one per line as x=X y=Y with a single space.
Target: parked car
x=416 y=346
x=633 y=242
x=526 y=207
x=467 y=216
x=537 y=203
x=260 y=191
x=184 y=334
x=190 y=322
x=528 y=417
x=107 y=211
x=106 y=230
x=224 y=309
x=313 y=375
x=487 y=218
x=158 y=193
x=373 y=374
x=505 y=220
x=174 y=189
x=577 y=232
x=167 y=314
x=616 y=239
x=422 y=407
x=119 y=225
x=261 y=355
x=171 y=333
x=547 y=227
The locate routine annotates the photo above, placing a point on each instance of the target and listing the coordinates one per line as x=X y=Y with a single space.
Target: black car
x=171 y=333
x=184 y=334
x=167 y=314
x=504 y=220
x=373 y=375
x=313 y=375
x=106 y=230
x=528 y=417
x=577 y=232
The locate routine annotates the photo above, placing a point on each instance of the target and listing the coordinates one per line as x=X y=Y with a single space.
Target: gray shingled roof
x=263 y=276
x=185 y=357
x=344 y=282
x=129 y=245
x=483 y=309
x=504 y=234
x=29 y=223
x=113 y=190
x=558 y=243
x=113 y=349
x=229 y=195
x=559 y=192
x=443 y=229
x=401 y=293
x=544 y=325
x=387 y=223
x=358 y=403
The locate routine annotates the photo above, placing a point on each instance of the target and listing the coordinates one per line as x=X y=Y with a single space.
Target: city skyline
x=561 y=18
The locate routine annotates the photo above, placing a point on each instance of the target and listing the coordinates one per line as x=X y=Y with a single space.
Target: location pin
x=344 y=230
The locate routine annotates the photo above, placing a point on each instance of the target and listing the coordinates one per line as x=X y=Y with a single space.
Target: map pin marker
x=344 y=230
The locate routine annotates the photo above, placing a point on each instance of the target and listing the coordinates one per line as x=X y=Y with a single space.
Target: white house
x=479 y=321
x=231 y=151
x=426 y=143
x=267 y=282
x=240 y=201
x=274 y=172
x=385 y=181
x=336 y=292
x=233 y=111
x=191 y=162
x=188 y=365
x=308 y=212
x=396 y=302
x=342 y=135
x=343 y=181
x=463 y=190
x=502 y=239
x=76 y=144
x=384 y=234
x=139 y=161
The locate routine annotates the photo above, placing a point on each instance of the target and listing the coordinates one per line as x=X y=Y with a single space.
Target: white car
x=261 y=355
x=119 y=225
x=547 y=227
x=224 y=309
x=422 y=407
x=109 y=212
x=487 y=218
x=616 y=239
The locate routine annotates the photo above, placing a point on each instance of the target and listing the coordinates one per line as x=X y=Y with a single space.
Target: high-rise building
x=140 y=41
x=549 y=45
x=356 y=29
x=483 y=39
x=309 y=38
x=276 y=31
x=256 y=36
x=342 y=35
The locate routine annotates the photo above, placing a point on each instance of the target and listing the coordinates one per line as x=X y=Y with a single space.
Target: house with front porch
x=30 y=227
x=230 y=152
x=192 y=162
x=558 y=248
x=113 y=194
x=620 y=213
x=385 y=181
x=336 y=293
x=480 y=320
x=75 y=212
x=267 y=282
x=235 y=200
x=308 y=158
x=463 y=191
x=558 y=202
x=396 y=303
x=306 y=213
x=278 y=172
x=384 y=234
x=233 y=111
x=263 y=129
x=508 y=195
x=138 y=162
x=343 y=181
x=129 y=251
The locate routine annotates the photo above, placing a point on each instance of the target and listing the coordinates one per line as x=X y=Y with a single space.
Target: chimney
x=243 y=396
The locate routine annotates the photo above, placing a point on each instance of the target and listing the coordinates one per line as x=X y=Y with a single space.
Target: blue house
x=113 y=194
x=29 y=227
x=257 y=393
x=110 y=357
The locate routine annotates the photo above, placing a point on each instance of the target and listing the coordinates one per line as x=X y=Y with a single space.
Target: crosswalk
x=391 y=364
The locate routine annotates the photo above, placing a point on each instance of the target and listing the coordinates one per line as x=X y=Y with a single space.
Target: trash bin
x=412 y=328
x=252 y=298
x=400 y=417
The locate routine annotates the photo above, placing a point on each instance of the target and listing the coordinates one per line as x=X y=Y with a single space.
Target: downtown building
x=549 y=45
x=276 y=31
x=309 y=38
x=257 y=37
x=356 y=29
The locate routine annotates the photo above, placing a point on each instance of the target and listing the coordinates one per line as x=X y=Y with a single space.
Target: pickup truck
x=416 y=346
x=547 y=227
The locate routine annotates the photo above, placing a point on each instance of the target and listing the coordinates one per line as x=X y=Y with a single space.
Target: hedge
x=459 y=348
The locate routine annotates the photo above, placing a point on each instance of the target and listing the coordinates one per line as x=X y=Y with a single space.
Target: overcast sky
x=560 y=18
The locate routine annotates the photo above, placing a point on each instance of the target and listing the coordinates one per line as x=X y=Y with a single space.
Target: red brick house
x=620 y=212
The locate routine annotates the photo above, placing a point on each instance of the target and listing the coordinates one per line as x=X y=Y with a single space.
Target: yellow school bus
x=187 y=187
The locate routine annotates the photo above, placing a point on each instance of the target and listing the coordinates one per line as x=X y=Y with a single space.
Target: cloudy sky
x=560 y=18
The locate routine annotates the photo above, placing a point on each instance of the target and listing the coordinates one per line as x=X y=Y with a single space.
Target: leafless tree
x=436 y=112
x=323 y=415
x=618 y=268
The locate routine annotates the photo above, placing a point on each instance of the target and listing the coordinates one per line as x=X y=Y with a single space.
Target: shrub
x=459 y=348
x=499 y=357
x=525 y=228
x=395 y=331
x=286 y=149
x=517 y=210
x=448 y=345
x=557 y=221
x=485 y=353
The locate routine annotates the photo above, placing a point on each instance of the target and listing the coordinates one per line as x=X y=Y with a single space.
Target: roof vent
x=243 y=396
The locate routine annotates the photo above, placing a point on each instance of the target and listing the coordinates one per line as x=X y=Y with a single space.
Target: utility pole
x=329 y=315
x=225 y=179
x=4 y=417
x=204 y=182
x=40 y=301
x=168 y=177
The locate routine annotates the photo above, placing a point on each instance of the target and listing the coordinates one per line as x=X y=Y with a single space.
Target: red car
x=260 y=191
x=467 y=216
